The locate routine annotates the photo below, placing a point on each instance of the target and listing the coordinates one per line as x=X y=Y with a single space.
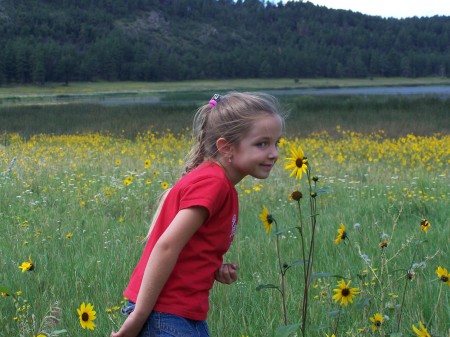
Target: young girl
x=236 y=135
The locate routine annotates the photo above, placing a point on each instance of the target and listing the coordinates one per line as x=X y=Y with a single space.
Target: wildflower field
x=350 y=234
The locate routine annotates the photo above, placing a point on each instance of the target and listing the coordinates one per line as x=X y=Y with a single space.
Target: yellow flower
x=443 y=275
x=147 y=163
x=342 y=234
x=41 y=335
x=377 y=320
x=69 y=235
x=332 y=335
x=384 y=243
x=128 y=180
x=422 y=332
x=425 y=225
x=164 y=185
x=86 y=314
x=344 y=293
x=27 y=265
x=297 y=163
x=267 y=219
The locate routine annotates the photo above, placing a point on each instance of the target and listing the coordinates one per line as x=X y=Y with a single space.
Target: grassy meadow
x=78 y=182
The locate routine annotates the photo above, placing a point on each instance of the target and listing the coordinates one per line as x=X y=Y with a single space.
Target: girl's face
x=257 y=151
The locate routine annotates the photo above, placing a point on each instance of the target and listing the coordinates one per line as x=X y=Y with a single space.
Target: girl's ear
x=225 y=148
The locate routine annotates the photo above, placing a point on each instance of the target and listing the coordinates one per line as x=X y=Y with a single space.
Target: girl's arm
x=160 y=265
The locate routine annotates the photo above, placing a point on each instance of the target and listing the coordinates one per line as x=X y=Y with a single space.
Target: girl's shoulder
x=208 y=172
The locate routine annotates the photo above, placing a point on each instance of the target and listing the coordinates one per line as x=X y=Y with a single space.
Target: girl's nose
x=274 y=153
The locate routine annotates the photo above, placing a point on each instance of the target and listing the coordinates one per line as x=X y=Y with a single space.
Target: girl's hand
x=131 y=327
x=227 y=273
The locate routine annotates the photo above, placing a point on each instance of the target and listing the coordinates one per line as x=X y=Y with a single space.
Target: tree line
x=157 y=40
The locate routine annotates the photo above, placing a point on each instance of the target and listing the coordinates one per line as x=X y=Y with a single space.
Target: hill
x=155 y=40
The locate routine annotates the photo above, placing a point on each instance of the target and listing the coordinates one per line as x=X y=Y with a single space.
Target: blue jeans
x=160 y=324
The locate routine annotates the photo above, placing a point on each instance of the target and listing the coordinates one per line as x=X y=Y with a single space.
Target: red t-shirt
x=186 y=292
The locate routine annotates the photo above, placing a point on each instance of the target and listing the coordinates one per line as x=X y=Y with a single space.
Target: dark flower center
x=444 y=279
x=377 y=323
x=85 y=317
x=344 y=235
x=296 y=195
x=345 y=292
x=269 y=219
x=299 y=162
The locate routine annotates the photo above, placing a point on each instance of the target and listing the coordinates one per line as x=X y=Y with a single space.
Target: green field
x=78 y=182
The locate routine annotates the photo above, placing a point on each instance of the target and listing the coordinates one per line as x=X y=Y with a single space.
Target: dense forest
x=156 y=40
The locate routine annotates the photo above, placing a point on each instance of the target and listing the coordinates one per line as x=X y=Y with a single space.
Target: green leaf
x=395 y=334
x=58 y=332
x=266 y=286
x=325 y=274
x=283 y=230
x=297 y=263
x=324 y=190
x=286 y=330
x=363 y=302
x=333 y=313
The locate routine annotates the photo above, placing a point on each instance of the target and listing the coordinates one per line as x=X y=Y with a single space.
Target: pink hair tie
x=213 y=101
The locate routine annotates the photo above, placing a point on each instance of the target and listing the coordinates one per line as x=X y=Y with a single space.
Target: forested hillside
x=155 y=40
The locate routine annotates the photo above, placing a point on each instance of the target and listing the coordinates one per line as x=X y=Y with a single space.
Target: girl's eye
x=262 y=144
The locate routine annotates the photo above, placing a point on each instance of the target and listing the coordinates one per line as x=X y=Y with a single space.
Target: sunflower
x=377 y=320
x=267 y=219
x=297 y=163
x=422 y=332
x=165 y=185
x=332 y=335
x=342 y=234
x=27 y=265
x=147 y=163
x=87 y=315
x=443 y=275
x=344 y=293
x=425 y=225
x=128 y=180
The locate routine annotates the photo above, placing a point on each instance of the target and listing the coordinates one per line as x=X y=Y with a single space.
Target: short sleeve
x=209 y=192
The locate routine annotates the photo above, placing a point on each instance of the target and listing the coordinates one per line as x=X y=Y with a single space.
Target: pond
x=405 y=90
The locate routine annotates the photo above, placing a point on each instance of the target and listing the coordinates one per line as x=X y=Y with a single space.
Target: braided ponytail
x=197 y=154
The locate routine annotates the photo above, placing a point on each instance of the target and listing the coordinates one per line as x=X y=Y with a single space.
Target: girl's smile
x=257 y=151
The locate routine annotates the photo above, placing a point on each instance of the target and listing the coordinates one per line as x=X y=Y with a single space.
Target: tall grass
x=79 y=205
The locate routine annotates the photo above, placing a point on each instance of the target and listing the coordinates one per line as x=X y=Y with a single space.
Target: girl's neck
x=227 y=169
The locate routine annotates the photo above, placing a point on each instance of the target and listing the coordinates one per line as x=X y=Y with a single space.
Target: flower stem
x=282 y=273
x=437 y=305
x=337 y=322
x=308 y=267
x=404 y=290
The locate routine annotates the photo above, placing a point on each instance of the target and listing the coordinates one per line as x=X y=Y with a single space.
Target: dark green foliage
x=156 y=40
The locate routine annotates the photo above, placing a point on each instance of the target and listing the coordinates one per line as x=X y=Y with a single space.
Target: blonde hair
x=230 y=118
